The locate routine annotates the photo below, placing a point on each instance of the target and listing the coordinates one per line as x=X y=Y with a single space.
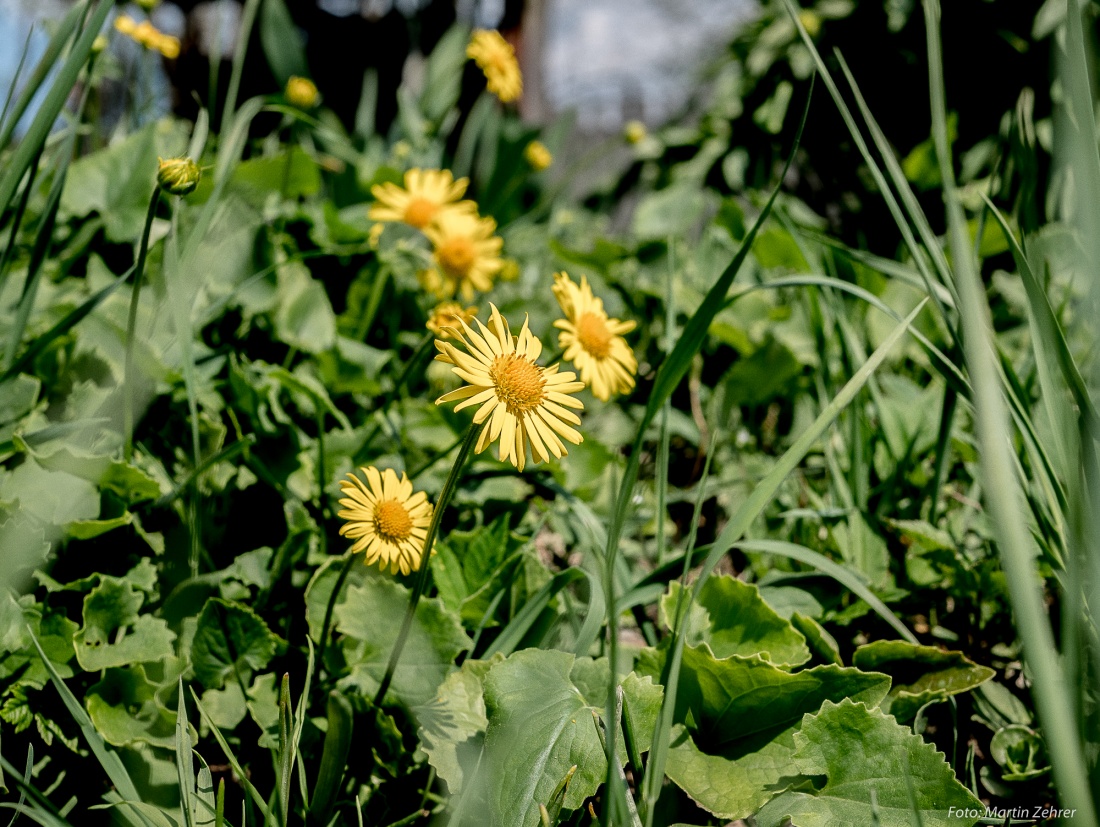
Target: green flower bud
x=178 y=176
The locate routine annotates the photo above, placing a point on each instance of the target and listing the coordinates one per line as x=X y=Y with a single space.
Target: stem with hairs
x=131 y=326
x=424 y=574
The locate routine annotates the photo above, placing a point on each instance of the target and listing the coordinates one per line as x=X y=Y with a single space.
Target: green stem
x=424 y=574
x=327 y=623
x=131 y=326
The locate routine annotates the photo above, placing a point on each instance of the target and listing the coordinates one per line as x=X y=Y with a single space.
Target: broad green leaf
x=452 y=721
x=732 y=783
x=821 y=643
x=87 y=529
x=861 y=751
x=671 y=211
x=293 y=174
x=304 y=317
x=19 y=619
x=736 y=717
x=766 y=373
x=471 y=566
x=733 y=619
x=732 y=698
x=226 y=708
x=230 y=637
x=370 y=617
x=54 y=497
x=539 y=726
x=111 y=609
x=123 y=706
x=118 y=181
x=920 y=674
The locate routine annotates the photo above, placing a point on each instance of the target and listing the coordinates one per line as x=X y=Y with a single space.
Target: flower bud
x=99 y=44
x=634 y=132
x=178 y=176
x=148 y=5
x=538 y=156
x=301 y=92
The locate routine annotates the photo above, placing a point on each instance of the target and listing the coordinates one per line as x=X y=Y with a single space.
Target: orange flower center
x=456 y=255
x=392 y=522
x=518 y=383
x=420 y=212
x=593 y=335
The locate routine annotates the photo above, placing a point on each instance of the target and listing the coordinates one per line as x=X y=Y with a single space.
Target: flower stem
x=325 y=626
x=424 y=573
x=131 y=326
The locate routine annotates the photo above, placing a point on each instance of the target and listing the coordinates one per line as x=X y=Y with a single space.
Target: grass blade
x=51 y=107
x=1002 y=493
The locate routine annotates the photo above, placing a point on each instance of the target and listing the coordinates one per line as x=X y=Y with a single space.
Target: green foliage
x=649 y=626
x=873 y=768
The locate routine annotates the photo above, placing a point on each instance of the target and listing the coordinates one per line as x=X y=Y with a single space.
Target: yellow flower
x=537 y=155
x=497 y=59
x=146 y=35
x=634 y=132
x=466 y=254
x=525 y=404
x=386 y=519
x=592 y=341
x=447 y=317
x=124 y=24
x=167 y=45
x=301 y=92
x=427 y=194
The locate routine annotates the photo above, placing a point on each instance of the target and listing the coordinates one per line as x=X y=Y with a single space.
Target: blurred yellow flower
x=167 y=45
x=811 y=22
x=634 y=132
x=448 y=317
x=301 y=92
x=386 y=519
x=147 y=36
x=525 y=404
x=124 y=24
x=537 y=155
x=593 y=341
x=427 y=194
x=497 y=59
x=466 y=255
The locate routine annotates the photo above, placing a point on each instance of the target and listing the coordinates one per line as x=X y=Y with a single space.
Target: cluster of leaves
x=280 y=345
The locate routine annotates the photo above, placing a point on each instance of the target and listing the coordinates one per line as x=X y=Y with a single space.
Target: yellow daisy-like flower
x=427 y=195
x=466 y=255
x=525 y=404
x=386 y=519
x=447 y=317
x=537 y=155
x=593 y=341
x=497 y=59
